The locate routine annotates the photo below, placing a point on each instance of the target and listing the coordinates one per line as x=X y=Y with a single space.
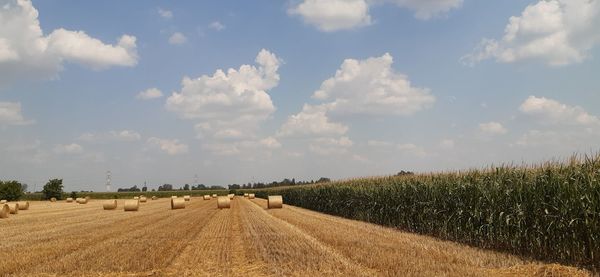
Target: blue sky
x=339 y=88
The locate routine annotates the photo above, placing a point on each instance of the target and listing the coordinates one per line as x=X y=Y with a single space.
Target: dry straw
x=154 y=197
x=23 y=205
x=131 y=205
x=143 y=199
x=53 y=199
x=4 y=211
x=214 y=195
x=88 y=198
x=251 y=196
x=109 y=204
x=223 y=202
x=206 y=197
x=275 y=202
x=82 y=200
x=3 y=201
x=231 y=195
x=177 y=203
x=136 y=198
x=187 y=198
x=13 y=208
x=173 y=196
x=69 y=200
x=245 y=194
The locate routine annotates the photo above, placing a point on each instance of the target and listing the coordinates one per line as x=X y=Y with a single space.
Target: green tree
x=11 y=190
x=73 y=195
x=54 y=188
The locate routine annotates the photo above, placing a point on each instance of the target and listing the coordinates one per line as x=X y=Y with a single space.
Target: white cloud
x=237 y=147
x=72 y=148
x=177 y=38
x=372 y=87
x=26 y=53
x=333 y=15
x=216 y=25
x=312 y=120
x=229 y=104
x=379 y=143
x=412 y=149
x=492 y=128
x=151 y=93
x=165 y=13
x=552 y=111
x=10 y=114
x=555 y=32
x=123 y=135
x=169 y=146
x=447 y=144
x=330 y=146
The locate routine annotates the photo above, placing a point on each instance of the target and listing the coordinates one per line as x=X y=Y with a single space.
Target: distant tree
x=323 y=180
x=54 y=188
x=165 y=187
x=144 y=188
x=153 y=190
x=73 y=195
x=234 y=186
x=186 y=187
x=11 y=190
x=24 y=188
x=404 y=173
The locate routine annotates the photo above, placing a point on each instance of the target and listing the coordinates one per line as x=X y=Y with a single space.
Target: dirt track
x=61 y=238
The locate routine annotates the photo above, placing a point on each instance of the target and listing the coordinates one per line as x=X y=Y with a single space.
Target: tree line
x=284 y=182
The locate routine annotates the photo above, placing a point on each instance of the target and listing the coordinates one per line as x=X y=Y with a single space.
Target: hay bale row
x=206 y=197
x=53 y=199
x=214 y=195
x=3 y=201
x=173 y=196
x=13 y=208
x=154 y=197
x=69 y=200
x=136 y=198
x=109 y=204
x=187 y=197
x=251 y=196
x=81 y=200
x=177 y=203
x=231 y=195
x=223 y=202
x=131 y=205
x=23 y=205
x=4 y=210
x=143 y=199
x=275 y=202
x=245 y=194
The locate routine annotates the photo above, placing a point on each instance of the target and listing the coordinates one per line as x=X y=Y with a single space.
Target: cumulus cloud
x=372 y=87
x=169 y=146
x=229 y=104
x=330 y=146
x=447 y=144
x=236 y=147
x=26 y=53
x=379 y=143
x=555 y=32
x=167 y=14
x=10 y=114
x=492 y=128
x=412 y=149
x=151 y=93
x=70 y=149
x=123 y=135
x=312 y=120
x=552 y=111
x=177 y=38
x=216 y=25
x=335 y=15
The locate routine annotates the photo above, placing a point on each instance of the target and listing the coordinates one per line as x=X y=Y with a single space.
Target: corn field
x=549 y=212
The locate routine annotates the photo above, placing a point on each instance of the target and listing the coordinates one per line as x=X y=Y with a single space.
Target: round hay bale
x=53 y=199
x=154 y=197
x=136 y=198
x=82 y=200
x=173 y=196
x=231 y=196
x=245 y=194
x=223 y=202
x=69 y=200
x=3 y=201
x=206 y=197
x=251 y=196
x=177 y=203
x=13 y=208
x=109 y=204
x=143 y=199
x=214 y=195
x=4 y=210
x=275 y=202
x=187 y=197
x=23 y=205
x=131 y=205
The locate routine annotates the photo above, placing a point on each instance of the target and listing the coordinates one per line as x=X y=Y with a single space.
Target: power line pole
x=108 y=180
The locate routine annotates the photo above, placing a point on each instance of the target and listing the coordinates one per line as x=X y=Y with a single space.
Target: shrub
x=54 y=188
x=11 y=190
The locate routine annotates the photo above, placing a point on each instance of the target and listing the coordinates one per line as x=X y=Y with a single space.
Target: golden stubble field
x=57 y=239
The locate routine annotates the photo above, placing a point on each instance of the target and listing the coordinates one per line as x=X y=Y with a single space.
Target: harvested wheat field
x=55 y=239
